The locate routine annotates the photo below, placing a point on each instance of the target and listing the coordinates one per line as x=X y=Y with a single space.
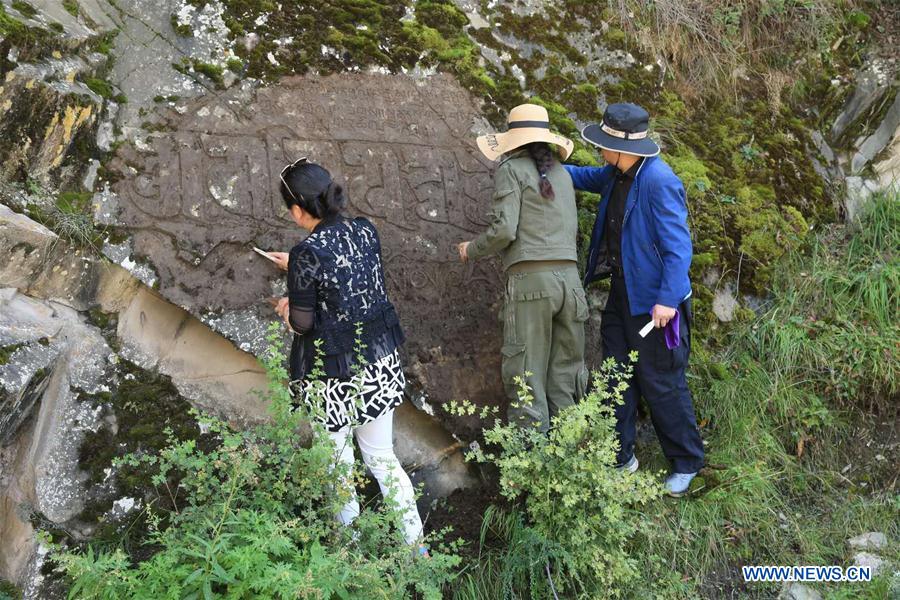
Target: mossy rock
x=32 y=42
x=7 y=351
x=23 y=7
x=766 y=231
x=720 y=146
x=72 y=7
x=147 y=411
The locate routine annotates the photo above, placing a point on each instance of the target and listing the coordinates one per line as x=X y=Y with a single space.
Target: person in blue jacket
x=641 y=240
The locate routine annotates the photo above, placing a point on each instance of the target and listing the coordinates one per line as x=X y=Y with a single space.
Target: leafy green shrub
x=574 y=514
x=254 y=517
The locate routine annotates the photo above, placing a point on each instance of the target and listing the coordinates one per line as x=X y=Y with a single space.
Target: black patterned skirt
x=374 y=392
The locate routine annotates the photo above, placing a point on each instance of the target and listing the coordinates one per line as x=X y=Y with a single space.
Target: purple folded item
x=672 y=332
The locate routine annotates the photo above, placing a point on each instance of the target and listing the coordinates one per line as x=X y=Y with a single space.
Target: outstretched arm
x=504 y=216
x=589 y=179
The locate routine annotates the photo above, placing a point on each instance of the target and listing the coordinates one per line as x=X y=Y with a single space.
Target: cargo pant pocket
x=581 y=305
x=512 y=366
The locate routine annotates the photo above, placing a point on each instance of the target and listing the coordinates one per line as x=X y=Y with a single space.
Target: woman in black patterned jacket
x=337 y=300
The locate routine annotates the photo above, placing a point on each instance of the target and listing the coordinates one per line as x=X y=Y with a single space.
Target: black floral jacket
x=337 y=295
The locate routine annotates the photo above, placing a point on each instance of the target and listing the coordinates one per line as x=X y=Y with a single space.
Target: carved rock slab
x=205 y=189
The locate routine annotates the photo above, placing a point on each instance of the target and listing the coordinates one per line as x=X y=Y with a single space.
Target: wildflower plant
x=254 y=517
x=573 y=514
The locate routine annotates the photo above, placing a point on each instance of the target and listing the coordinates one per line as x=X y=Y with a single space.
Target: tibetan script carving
x=207 y=190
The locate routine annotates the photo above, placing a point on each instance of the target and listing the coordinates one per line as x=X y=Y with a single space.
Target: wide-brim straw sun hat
x=527 y=123
x=625 y=128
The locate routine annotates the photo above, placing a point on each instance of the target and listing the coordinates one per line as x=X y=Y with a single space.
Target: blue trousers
x=659 y=378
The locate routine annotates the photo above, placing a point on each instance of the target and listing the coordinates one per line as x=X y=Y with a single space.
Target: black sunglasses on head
x=299 y=161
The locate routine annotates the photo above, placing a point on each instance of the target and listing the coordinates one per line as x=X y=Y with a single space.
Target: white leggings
x=377 y=445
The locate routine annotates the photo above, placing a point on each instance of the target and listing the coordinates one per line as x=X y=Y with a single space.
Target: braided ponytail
x=544 y=160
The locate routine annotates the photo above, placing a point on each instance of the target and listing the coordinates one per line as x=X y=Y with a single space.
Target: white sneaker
x=631 y=466
x=677 y=484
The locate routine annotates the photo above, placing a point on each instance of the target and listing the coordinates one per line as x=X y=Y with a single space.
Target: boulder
x=873 y=540
x=39 y=467
x=798 y=591
x=866 y=559
x=724 y=303
x=870 y=84
x=887 y=168
x=44 y=112
x=859 y=191
x=73 y=27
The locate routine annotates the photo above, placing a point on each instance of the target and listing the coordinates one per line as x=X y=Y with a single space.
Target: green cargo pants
x=543 y=334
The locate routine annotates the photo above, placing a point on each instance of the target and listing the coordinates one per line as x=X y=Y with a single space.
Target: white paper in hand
x=646 y=330
x=263 y=253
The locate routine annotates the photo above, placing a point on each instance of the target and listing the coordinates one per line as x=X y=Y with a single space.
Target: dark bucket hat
x=624 y=129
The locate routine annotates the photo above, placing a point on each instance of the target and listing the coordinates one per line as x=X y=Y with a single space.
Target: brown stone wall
x=205 y=189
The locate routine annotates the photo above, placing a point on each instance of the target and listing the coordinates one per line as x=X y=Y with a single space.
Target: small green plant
x=253 y=517
x=7 y=351
x=214 y=72
x=749 y=152
x=857 y=19
x=573 y=514
x=8 y=591
x=33 y=186
x=101 y=87
x=71 y=7
x=235 y=65
x=182 y=29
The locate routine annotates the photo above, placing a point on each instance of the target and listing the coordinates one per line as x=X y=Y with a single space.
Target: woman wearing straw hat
x=533 y=227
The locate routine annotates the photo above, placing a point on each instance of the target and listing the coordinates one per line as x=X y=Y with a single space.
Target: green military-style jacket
x=524 y=225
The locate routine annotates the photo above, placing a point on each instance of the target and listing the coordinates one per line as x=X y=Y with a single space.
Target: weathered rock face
x=865 y=137
x=205 y=190
x=57 y=357
x=38 y=123
x=51 y=358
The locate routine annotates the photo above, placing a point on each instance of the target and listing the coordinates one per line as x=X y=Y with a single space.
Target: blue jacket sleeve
x=589 y=179
x=668 y=205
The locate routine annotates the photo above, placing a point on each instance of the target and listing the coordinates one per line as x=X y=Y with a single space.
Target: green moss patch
x=147 y=411
x=23 y=7
x=32 y=42
x=8 y=591
x=7 y=351
x=72 y=7
x=101 y=87
x=74 y=202
x=181 y=29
